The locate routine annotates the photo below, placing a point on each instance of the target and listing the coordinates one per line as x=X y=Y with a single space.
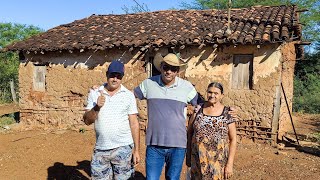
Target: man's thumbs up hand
x=101 y=99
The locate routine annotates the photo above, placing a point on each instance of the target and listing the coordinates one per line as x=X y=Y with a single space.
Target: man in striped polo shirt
x=113 y=110
x=167 y=98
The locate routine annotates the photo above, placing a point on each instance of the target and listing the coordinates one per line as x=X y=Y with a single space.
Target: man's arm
x=192 y=97
x=140 y=92
x=91 y=115
x=135 y=131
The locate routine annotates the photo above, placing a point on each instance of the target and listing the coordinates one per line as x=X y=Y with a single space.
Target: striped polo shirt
x=112 y=126
x=166 y=110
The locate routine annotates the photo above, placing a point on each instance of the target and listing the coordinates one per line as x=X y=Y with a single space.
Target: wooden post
x=255 y=135
x=276 y=114
x=149 y=66
x=13 y=92
x=285 y=98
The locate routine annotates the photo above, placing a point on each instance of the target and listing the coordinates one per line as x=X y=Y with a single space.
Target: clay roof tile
x=176 y=27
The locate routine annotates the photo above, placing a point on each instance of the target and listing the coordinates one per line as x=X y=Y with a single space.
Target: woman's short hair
x=216 y=85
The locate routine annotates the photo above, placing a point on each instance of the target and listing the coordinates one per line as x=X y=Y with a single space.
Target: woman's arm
x=189 y=139
x=232 y=150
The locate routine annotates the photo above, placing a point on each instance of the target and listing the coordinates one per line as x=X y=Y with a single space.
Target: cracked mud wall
x=289 y=56
x=207 y=66
x=68 y=79
x=256 y=104
x=69 y=76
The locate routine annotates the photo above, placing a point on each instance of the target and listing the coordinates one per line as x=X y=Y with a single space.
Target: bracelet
x=96 y=108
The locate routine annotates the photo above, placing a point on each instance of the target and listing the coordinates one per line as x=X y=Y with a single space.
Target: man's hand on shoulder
x=190 y=109
x=234 y=113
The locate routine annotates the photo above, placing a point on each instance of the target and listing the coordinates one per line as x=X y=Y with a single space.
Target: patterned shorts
x=112 y=164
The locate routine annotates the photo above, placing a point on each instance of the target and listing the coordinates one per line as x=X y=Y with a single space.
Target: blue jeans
x=158 y=155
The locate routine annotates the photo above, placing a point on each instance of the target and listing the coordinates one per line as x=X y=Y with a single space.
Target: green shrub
x=317 y=136
x=306 y=96
x=6 y=120
x=9 y=61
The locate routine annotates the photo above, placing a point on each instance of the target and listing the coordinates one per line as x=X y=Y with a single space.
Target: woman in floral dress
x=211 y=138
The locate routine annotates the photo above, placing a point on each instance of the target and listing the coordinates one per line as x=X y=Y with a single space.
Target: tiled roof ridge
x=252 y=25
x=198 y=10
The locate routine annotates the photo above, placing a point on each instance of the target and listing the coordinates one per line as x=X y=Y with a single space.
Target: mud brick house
x=251 y=55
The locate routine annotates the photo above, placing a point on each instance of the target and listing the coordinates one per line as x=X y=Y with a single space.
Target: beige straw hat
x=171 y=59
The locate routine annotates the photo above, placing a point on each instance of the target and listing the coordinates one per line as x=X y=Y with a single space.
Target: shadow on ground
x=312 y=148
x=59 y=171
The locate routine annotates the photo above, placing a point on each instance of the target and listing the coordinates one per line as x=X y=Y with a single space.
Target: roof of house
x=254 y=25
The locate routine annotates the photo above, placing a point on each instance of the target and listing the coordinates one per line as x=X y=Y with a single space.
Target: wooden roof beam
x=303 y=43
x=302 y=10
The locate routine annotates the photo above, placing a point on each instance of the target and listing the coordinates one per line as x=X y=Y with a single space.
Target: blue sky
x=47 y=14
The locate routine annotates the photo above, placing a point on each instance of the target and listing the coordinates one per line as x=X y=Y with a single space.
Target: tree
x=307 y=72
x=137 y=8
x=307 y=84
x=9 y=61
x=311 y=18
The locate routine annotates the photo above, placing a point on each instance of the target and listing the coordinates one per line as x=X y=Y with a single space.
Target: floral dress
x=210 y=145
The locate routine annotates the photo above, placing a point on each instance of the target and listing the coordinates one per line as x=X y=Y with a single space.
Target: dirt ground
x=8 y=108
x=66 y=154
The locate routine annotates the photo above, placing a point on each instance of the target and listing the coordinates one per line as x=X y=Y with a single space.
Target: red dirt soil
x=66 y=154
x=8 y=108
